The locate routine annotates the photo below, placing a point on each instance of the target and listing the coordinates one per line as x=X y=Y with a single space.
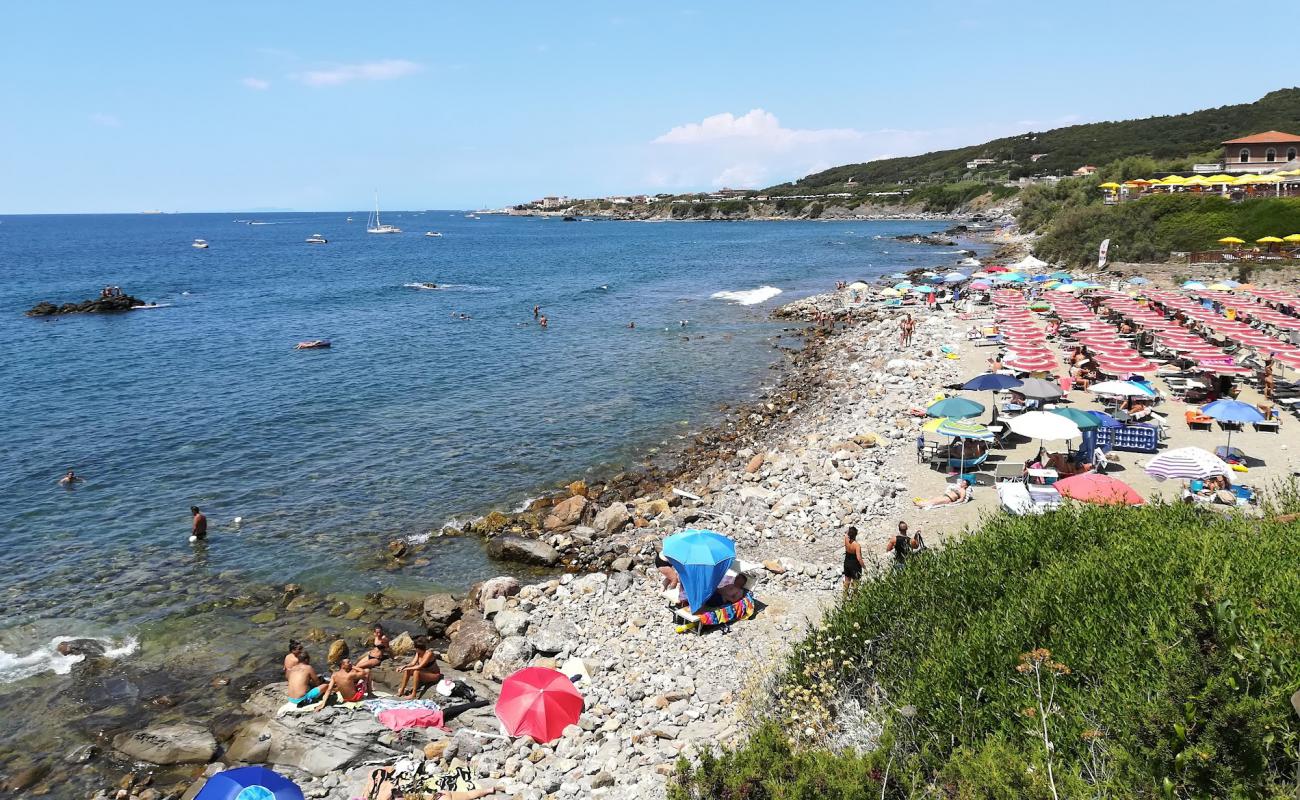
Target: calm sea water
x=414 y=416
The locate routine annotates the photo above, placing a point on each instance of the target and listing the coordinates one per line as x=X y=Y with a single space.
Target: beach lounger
x=1015 y=497
x=1008 y=472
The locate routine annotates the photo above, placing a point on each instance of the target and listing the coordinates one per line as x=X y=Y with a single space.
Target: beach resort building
x=1259 y=154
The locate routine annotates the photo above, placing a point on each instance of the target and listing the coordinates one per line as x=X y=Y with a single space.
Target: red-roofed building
x=1261 y=152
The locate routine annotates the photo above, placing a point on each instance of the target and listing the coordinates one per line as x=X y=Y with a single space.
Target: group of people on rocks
x=351 y=681
x=109 y=292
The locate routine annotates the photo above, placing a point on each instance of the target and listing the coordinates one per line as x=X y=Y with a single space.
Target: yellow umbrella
x=1196 y=180
x=1267 y=179
x=1109 y=185
x=1219 y=287
x=1295 y=237
x=1220 y=179
x=1140 y=182
x=1242 y=180
x=890 y=292
x=933 y=425
x=1173 y=180
x=1231 y=240
x=1268 y=240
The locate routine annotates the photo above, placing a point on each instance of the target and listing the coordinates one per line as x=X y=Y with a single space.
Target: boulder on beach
x=565 y=513
x=524 y=551
x=175 y=743
x=510 y=656
x=611 y=519
x=439 y=611
x=501 y=586
x=475 y=640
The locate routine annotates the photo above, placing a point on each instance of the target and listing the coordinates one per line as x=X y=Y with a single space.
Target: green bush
x=1167 y=637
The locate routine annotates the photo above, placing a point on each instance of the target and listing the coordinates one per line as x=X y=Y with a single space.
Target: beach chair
x=1007 y=471
x=1198 y=421
x=1272 y=422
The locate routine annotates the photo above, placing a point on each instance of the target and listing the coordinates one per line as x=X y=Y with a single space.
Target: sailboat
x=373 y=225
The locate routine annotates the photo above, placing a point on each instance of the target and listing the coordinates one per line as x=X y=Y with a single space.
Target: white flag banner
x=1102 y=253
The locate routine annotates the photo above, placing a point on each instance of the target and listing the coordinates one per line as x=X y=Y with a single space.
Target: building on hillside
x=976 y=163
x=1261 y=153
x=555 y=202
x=1086 y=169
x=725 y=193
x=1034 y=157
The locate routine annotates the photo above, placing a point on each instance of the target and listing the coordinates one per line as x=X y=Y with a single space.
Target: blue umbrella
x=1012 y=277
x=1230 y=283
x=701 y=559
x=954 y=277
x=991 y=382
x=898 y=276
x=249 y=783
x=1062 y=276
x=1041 y=278
x=1138 y=281
x=903 y=286
x=955 y=407
x=1226 y=410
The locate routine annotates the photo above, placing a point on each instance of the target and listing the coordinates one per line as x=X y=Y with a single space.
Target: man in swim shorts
x=304 y=684
x=199 y=528
x=348 y=681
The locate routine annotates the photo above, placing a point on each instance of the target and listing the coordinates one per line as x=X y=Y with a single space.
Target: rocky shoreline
x=100 y=305
x=824 y=450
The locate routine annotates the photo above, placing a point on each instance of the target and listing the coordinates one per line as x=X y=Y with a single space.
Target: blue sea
x=431 y=405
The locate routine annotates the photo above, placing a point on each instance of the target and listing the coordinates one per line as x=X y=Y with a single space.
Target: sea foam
x=748 y=297
x=48 y=658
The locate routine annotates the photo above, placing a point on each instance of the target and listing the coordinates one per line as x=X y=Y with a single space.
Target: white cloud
x=256 y=83
x=106 y=120
x=384 y=70
x=758 y=127
x=741 y=176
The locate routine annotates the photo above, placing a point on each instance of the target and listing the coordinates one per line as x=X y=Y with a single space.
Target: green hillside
x=1196 y=135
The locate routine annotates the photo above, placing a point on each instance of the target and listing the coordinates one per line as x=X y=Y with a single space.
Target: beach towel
x=402 y=718
x=378 y=705
x=738 y=610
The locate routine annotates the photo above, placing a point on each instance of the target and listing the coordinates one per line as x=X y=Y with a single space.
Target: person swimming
x=71 y=479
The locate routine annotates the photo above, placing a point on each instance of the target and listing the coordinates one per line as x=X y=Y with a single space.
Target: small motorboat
x=349 y=219
x=313 y=344
x=435 y=234
x=316 y=238
x=200 y=244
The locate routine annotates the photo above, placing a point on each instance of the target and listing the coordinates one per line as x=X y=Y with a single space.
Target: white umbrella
x=1188 y=462
x=858 y=286
x=1119 y=389
x=1045 y=426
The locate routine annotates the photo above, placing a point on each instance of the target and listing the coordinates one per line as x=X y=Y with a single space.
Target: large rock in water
x=475 y=640
x=177 y=743
x=439 y=611
x=100 y=305
x=525 y=551
x=611 y=519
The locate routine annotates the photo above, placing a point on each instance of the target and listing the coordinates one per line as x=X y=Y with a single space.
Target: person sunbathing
x=378 y=653
x=422 y=669
x=304 y=684
x=665 y=567
x=293 y=657
x=953 y=494
x=348 y=681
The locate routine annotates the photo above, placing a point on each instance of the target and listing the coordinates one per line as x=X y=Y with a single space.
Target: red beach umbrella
x=1093 y=487
x=538 y=702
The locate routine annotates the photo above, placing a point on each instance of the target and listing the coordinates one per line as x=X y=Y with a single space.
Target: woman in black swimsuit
x=852 y=558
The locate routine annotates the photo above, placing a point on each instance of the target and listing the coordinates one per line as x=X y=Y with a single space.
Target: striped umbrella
x=962 y=429
x=1192 y=463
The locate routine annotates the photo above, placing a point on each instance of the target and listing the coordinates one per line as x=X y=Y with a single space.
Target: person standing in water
x=542 y=320
x=537 y=311
x=70 y=480
x=852 y=558
x=199 y=525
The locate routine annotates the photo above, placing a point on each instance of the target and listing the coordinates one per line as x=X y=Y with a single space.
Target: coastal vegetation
x=1062 y=150
x=1072 y=219
x=1092 y=652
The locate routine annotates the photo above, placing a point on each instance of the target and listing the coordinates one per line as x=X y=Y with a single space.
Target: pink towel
x=402 y=718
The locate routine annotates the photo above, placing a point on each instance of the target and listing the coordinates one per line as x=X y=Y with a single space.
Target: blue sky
x=243 y=105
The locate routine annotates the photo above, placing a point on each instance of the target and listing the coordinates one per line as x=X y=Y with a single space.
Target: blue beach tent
x=701 y=559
